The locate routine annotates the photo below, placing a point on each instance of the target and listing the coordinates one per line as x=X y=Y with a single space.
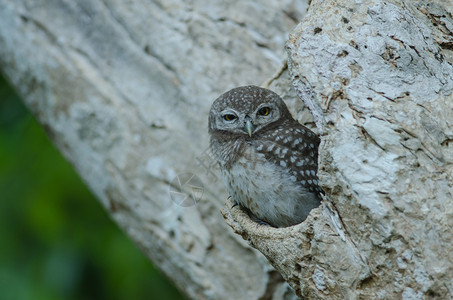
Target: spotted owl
x=267 y=159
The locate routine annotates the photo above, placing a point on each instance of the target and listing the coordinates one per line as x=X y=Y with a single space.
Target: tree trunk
x=124 y=91
x=378 y=78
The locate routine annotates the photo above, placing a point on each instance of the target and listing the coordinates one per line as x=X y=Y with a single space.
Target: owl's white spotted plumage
x=267 y=159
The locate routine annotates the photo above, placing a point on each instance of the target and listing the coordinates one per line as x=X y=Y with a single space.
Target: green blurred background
x=56 y=240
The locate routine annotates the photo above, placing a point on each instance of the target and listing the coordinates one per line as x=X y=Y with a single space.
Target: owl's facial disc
x=261 y=116
x=249 y=121
x=265 y=114
x=229 y=120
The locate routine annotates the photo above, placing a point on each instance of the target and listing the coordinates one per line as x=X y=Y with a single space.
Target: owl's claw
x=261 y=222
x=254 y=218
x=235 y=202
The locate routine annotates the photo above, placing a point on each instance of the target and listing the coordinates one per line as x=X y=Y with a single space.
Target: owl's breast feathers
x=273 y=190
x=227 y=147
x=292 y=148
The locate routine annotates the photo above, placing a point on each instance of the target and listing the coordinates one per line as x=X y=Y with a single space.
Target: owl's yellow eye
x=264 y=111
x=229 y=117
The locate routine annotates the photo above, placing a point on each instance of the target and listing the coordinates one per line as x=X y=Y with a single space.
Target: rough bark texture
x=383 y=88
x=124 y=90
x=378 y=78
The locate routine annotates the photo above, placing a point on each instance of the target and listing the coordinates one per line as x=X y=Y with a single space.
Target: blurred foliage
x=56 y=240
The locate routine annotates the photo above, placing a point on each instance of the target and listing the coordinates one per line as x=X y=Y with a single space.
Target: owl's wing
x=294 y=148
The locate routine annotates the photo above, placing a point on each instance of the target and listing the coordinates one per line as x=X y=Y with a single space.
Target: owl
x=267 y=159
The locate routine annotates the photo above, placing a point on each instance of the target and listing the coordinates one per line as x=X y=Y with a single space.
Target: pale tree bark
x=124 y=90
x=378 y=78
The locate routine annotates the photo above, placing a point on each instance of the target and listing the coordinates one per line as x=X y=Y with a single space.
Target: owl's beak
x=249 y=127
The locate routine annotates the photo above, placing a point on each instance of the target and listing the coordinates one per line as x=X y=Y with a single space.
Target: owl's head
x=246 y=110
